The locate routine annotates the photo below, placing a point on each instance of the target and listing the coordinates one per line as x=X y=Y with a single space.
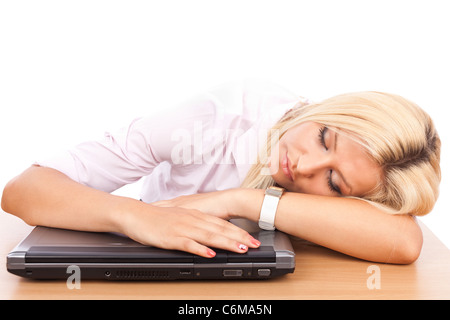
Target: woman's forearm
x=47 y=197
x=350 y=226
x=44 y=196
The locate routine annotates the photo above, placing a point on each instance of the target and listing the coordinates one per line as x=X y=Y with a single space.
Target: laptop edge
x=48 y=253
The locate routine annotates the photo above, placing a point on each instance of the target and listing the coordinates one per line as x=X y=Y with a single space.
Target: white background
x=69 y=70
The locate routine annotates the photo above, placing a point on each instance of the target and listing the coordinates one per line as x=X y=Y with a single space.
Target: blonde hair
x=398 y=135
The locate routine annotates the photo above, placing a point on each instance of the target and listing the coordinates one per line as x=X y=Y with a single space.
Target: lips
x=285 y=167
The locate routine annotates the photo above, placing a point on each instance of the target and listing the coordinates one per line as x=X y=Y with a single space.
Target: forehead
x=355 y=164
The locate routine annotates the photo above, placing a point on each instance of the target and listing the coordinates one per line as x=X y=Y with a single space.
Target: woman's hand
x=226 y=204
x=219 y=203
x=185 y=229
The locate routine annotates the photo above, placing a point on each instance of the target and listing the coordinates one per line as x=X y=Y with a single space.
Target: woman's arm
x=44 y=196
x=350 y=226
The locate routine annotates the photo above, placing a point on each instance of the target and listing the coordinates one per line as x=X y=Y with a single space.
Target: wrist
x=124 y=213
x=245 y=203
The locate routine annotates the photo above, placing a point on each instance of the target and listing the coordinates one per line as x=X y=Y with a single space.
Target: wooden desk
x=320 y=274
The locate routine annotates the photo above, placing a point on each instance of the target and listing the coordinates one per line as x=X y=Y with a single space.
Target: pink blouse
x=207 y=143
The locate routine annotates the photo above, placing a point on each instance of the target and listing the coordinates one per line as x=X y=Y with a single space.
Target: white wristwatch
x=269 y=208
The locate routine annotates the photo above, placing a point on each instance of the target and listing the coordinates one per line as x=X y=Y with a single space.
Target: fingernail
x=211 y=253
x=242 y=247
x=255 y=242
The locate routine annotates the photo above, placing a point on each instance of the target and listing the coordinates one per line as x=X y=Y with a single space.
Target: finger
x=196 y=248
x=211 y=232
x=212 y=236
x=232 y=231
x=162 y=203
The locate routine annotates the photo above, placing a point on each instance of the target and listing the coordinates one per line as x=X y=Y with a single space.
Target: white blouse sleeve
x=183 y=136
x=129 y=154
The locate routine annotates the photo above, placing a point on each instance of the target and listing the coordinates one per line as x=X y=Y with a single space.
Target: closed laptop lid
x=47 y=253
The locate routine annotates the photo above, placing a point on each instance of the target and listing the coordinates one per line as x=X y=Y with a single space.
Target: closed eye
x=322 y=132
x=331 y=185
x=333 y=188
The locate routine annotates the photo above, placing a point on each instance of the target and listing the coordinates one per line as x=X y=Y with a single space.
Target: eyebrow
x=336 y=135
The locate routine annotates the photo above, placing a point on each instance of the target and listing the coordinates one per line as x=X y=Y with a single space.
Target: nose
x=308 y=166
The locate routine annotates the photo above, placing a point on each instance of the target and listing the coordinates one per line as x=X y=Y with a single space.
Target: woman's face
x=314 y=159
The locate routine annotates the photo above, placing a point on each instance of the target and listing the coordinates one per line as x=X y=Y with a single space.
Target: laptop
x=49 y=253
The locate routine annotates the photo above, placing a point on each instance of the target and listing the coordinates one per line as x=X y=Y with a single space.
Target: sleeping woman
x=349 y=173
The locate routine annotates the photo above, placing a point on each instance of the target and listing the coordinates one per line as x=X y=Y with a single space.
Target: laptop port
x=232 y=273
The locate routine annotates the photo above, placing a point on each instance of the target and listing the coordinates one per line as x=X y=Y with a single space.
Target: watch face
x=274 y=191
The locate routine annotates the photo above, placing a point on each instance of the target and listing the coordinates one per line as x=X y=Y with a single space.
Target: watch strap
x=269 y=208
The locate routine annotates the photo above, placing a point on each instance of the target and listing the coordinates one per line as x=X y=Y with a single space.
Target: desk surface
x=320 y=274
